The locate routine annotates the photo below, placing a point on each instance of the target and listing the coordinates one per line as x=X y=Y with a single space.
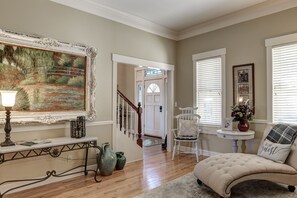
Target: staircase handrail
x=127 y=100
x=138 y=110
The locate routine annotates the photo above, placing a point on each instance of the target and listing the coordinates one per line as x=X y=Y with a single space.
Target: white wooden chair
x=187 y=131
x=188 y=110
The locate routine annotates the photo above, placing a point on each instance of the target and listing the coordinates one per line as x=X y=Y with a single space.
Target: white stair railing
x=129 y=117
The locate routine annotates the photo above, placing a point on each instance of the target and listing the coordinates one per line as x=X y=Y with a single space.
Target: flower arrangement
x=242 y=112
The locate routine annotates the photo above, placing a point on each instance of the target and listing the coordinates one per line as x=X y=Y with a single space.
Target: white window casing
x=281 y=55
x=209 y=86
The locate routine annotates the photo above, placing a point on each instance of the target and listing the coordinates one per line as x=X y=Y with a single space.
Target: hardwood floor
x=156 y=169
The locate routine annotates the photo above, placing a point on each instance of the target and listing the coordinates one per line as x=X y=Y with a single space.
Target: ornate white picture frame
x=86 y=54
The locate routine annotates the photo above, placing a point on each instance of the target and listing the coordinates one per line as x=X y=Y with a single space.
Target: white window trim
x=210 y=54
x=270 y=43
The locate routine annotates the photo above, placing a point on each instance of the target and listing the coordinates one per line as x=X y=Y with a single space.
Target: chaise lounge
x=222 y=172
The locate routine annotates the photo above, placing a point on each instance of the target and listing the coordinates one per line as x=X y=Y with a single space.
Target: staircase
x=128 y=118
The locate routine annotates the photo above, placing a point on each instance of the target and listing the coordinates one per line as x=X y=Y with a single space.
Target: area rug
x=151 y=141
x=187 y=187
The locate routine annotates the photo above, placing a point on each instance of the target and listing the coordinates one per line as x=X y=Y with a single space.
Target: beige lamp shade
x=8 y=98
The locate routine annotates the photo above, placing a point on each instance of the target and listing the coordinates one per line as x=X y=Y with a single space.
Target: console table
x=53 y=147
x=235 y=136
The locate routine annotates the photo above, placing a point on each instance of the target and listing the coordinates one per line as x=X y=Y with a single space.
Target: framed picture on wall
x=55 y=81
x=227 y=124
x=243 y=84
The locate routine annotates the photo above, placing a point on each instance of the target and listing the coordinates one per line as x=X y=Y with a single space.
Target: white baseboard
x=203 y=152
x=50 y=180
x=208 y=153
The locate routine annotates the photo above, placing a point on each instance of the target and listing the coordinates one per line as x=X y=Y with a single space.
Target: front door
x=154 y=108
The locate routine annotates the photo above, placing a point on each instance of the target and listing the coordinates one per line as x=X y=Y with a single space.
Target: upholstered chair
x=223 y=171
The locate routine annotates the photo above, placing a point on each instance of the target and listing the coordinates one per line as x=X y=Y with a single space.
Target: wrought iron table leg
x=86 y=160
x=33 y=181
x=49 y=174
x=96 y=174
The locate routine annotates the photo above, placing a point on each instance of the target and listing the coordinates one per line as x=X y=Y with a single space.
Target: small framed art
x=227 y=124
x=243 y=84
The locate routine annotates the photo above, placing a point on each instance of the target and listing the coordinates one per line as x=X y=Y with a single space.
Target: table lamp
x=8 y=101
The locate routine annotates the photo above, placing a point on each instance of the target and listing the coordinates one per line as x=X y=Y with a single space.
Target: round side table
x=235 y=136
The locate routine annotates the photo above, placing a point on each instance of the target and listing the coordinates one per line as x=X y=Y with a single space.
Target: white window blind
x=284 y=83
x=209 y=90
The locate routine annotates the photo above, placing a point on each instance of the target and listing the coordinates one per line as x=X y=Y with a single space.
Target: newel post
x=139 y=112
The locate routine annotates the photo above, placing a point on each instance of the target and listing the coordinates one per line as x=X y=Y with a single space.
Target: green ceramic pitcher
x=121 y=160
x=106 y=160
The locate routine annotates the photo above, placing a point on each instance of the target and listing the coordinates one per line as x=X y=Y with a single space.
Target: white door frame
x=116 y=58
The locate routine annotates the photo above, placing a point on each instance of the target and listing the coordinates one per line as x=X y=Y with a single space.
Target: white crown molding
x=92 y=7
x=263 y=9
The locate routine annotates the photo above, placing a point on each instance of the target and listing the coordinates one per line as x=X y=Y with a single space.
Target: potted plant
x=242 y=113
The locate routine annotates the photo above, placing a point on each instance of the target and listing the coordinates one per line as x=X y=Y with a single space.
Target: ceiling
x=178 y=15
x=179 y=19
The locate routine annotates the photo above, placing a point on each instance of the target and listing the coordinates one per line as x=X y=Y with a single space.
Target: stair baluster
x=126 y=117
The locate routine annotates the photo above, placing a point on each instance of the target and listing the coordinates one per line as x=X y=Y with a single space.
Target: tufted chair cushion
x=221 y=172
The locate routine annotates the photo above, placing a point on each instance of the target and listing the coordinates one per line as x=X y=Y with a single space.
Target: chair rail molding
x=17 y=128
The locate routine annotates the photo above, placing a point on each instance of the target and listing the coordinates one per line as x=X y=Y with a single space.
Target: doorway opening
x=152 y=87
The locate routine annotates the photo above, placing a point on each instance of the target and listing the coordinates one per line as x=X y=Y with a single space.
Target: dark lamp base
x=7 y=129
x=7 y=143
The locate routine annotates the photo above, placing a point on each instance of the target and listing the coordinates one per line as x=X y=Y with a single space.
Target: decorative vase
x=121 y=160
x=243 y=125
x=106 y=160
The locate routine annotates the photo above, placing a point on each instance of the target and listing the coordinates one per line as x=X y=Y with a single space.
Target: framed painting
x=243 y=84
x=54 y=80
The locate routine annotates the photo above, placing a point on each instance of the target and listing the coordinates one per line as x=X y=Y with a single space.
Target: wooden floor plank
x=156 y=169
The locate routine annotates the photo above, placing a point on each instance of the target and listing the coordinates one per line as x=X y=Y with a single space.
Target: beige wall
x=126 y=80
x=43 y=17
x=245 y=43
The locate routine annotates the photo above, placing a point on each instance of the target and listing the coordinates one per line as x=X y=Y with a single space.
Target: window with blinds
x=284 y=83
x=209 y=90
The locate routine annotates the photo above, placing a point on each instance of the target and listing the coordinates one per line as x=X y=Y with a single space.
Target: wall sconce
x=8 y=101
